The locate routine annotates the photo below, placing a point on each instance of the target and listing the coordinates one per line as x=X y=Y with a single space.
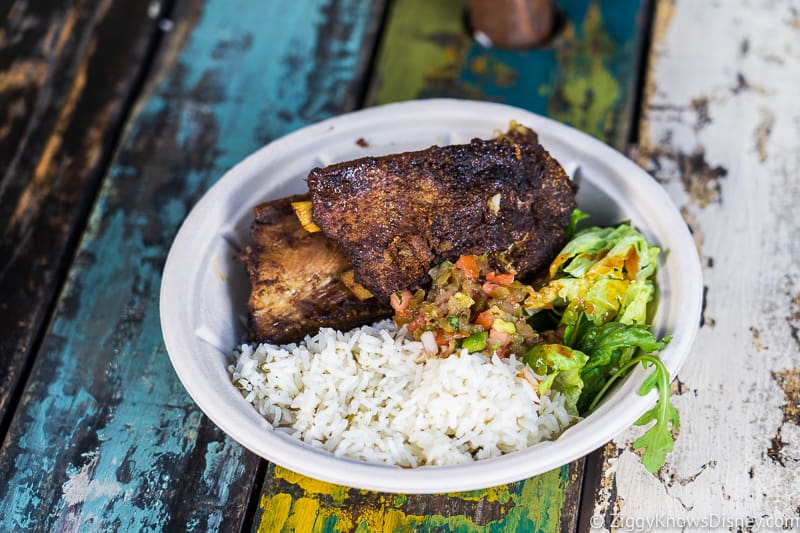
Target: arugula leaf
x=657 y=440
x=608 y=346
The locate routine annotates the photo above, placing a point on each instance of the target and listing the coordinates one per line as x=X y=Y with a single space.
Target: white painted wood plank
x=721 y=131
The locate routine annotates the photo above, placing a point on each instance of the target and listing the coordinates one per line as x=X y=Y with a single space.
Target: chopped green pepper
x=475 y=342
x=453 y=321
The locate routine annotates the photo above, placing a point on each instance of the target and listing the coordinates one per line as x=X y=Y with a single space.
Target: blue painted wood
x=105 y=437
x=66 y=70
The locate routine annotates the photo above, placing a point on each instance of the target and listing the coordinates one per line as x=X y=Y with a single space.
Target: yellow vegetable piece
x=504 y=326
x=302 y=211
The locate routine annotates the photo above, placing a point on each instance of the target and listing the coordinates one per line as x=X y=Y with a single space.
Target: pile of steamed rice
x=373 y=395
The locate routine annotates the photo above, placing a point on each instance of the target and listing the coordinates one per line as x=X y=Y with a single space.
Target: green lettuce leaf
x=574 y=219
x=599 y=289
x=570 y=384
x=561 y=365
x=603 y=272
x=634 y=302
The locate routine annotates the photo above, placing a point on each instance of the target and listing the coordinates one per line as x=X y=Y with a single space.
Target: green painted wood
x=291 y=502
x=585 y=77
x=105 y=438
x=66 y=72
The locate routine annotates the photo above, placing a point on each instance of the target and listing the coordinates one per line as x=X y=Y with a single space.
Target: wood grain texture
x=721 y=132
x=586 y=77
x=66 y=73
x=292 y=502
x=105 y=437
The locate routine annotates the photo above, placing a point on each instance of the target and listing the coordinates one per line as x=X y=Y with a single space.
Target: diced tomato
x=400 y=300
x=486 y=318
x=489 y=287
x=499 y=342
x=501 y=279
x=501 y=336
x=448 y=349
x=468 y=265
x=502 y=352
x=415 y=324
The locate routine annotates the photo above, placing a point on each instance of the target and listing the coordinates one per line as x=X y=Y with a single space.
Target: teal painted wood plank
x=105 y=437
x=66 y=71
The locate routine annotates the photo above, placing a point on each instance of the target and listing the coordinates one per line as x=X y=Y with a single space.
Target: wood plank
x=586 y=77
x=720 y=132
x=105 y=437
x=292 y=502
x=66 y=73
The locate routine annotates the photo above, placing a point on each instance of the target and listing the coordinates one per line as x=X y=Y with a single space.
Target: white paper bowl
x=204 y=287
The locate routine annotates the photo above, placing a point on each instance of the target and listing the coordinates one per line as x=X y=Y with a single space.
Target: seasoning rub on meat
x=398 y=215
x=298 y=279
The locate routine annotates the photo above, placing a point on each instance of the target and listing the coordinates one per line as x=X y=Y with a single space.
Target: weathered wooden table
x=115 y=116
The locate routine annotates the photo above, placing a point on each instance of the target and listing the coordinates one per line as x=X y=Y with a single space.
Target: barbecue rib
x=296 y=279
x=398 y=215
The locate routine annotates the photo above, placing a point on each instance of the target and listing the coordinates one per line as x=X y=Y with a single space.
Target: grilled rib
x=398 y=215
x=296 y=279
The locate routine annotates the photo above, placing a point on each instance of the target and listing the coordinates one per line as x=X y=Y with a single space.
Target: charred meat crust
x=396 y=216
x=295 y=279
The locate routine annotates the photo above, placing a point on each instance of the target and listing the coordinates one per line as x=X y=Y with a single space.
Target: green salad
x=580 y=329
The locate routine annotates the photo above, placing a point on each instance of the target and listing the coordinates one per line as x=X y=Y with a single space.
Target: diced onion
x=429 y=342
x=529 y=376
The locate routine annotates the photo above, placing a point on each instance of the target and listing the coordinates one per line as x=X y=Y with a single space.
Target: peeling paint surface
x=721 y=132
x=295 y=502
x=81 y=486
x=64 y=81
x=105 y=438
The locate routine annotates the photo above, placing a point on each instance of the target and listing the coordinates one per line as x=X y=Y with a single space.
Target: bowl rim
x=596 y=429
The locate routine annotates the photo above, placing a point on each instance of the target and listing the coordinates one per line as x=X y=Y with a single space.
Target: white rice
x=373 y=395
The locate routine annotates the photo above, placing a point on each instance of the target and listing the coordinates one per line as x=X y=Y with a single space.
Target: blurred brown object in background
x=511 y=23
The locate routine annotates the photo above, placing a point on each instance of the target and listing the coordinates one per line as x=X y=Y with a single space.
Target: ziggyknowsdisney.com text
x=710 y=522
